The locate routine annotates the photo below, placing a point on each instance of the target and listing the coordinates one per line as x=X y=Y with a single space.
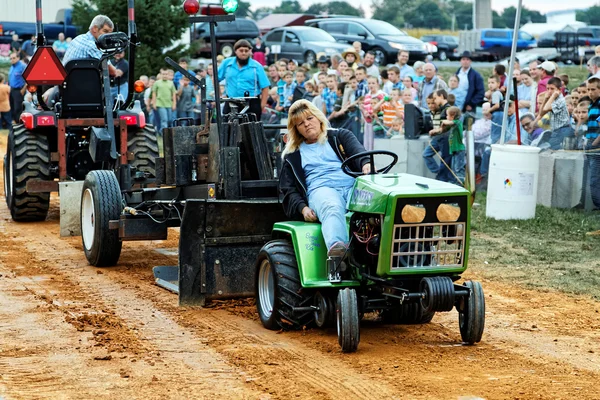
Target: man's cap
x=547 y=66
x=323 y=59
x=466 y=54
x=242 y=43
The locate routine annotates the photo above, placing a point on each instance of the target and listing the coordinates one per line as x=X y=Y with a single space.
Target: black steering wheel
x=371 y=154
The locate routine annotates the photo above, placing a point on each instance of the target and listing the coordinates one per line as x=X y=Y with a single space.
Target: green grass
x=551 y=251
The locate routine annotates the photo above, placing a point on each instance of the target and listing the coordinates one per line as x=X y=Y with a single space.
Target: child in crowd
x=347 y=74
x=409 y=83
x=318 y=99
x=419 y=74
x=338 y=117
x=408 y=97
x=392 y=108
x=451 y=99
x=500 y=72
x=543 y=122
x=281 y=70
x=358 y=48
x=581 y=118
x=350 y=91
x=300 y=76
x=288 y=90
x=329 y=94
x=495 y=95
x=386 y=85
x=564 y=78
x=559 y=120
x=367 y=110
x=459 y=93
x=455 y=142
x=310 y=91
x=379 y=128
x=396 y=129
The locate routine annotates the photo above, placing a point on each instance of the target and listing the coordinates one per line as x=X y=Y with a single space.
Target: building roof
x=276 y=20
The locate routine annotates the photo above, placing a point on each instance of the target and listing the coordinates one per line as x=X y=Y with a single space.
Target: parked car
x=63 y=23
x=226 y=34
x=302 y=43
x=447 y=46
x=493 y=44
x=381 y=37
x=547 y=39
x=589 y=36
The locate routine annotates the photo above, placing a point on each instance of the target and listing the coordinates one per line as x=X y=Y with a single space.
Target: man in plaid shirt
x=361 y=76
x=330 y=94
x=84 y=45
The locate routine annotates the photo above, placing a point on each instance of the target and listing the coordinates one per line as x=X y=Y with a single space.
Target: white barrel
x=512 y=182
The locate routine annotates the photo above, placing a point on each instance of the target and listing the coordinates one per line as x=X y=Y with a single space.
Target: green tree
x=497 y=20
x=463 y=12
x=243 y=9
x=335 y=7
x=289 y=7
x=428 y=14
x=527 y=15
x=159 y=23
x=392 y=11
x=591 y=16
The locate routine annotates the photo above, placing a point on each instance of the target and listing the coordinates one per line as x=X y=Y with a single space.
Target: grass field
x=551 y=251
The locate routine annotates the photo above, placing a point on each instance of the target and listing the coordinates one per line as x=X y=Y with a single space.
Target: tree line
x=439 y=14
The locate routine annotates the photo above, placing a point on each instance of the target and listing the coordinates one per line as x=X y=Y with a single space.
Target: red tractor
x=83 y=131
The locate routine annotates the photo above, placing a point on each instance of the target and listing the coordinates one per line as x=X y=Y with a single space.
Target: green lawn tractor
x=409 y=242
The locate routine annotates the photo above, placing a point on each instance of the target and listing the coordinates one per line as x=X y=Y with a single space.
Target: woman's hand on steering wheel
x=366 y=169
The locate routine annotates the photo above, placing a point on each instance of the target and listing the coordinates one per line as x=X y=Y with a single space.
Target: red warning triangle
x=44 y=68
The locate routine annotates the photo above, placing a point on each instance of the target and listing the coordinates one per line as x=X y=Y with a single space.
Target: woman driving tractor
x=313 y=184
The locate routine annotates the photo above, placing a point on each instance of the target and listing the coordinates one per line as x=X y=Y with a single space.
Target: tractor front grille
x=428 y=245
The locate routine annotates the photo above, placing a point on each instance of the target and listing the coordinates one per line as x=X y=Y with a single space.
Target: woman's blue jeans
x=330 y=206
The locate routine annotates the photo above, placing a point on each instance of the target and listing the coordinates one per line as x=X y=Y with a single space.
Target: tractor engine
x=365 y=233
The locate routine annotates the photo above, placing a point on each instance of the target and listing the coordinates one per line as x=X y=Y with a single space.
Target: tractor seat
x=81 y=93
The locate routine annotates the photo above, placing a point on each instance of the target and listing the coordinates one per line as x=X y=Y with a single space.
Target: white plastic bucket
x=512 y=182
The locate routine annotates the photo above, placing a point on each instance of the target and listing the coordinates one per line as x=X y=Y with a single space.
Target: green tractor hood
x=371 y=192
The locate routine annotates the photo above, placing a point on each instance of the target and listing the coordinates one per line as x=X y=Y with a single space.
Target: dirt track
x=68 y=330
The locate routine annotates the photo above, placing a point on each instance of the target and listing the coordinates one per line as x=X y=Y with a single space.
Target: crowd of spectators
x=356 y=94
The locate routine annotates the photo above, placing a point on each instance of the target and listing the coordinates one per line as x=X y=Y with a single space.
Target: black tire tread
x=472 y=320
x=289 y=291
x=107 y=193
x=144 y=146
x=349 y=326
x=31 y=160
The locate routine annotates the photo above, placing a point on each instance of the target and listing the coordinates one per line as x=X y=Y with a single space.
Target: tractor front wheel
x=471 y=313
x=28 y=157
x=278 y=288
x=348 y=320
x=100 y=202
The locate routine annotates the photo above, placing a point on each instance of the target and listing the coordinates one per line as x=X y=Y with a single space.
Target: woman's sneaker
x=338 y=249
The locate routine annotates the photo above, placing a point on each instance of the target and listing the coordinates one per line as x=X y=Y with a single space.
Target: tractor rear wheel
x=100 y=202
x=144 y=146
x=348 y=320
x=471 y=314
x=28 y=157
x=278 y=288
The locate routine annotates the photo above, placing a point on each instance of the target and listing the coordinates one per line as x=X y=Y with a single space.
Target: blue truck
x=63 y=23
x=493 y=44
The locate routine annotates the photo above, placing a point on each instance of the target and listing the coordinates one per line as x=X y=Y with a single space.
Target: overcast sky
x=542 y=5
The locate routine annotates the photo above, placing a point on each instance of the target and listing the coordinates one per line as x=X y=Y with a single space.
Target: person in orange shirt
x=5 y=116
x=393 y=108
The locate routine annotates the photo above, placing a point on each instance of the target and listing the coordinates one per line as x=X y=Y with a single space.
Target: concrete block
x=397 y=146
x=70 y=205
x=545 y=179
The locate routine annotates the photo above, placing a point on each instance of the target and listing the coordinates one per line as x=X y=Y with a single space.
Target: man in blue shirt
x=245 y=77
x=17 y=85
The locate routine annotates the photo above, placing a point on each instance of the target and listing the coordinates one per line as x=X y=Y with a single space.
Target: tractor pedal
x=333 y=264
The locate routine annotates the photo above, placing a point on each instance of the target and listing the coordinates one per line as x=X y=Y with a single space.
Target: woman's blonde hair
x=300 y=111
